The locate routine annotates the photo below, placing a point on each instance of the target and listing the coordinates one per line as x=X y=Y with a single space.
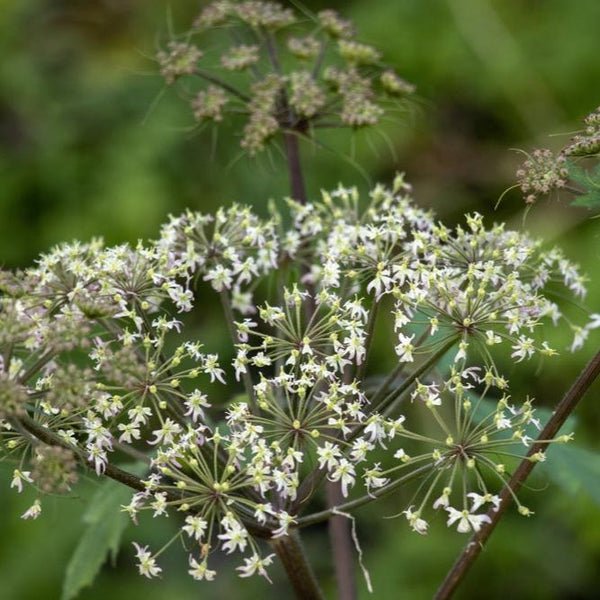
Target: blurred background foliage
x=91 y=146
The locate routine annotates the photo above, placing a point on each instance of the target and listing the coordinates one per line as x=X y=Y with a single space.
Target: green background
x=91 y=146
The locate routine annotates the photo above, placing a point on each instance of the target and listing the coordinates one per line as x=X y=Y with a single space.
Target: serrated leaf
x=102 y=536
x=589 y=200
x=574 y=469
x=590 y=182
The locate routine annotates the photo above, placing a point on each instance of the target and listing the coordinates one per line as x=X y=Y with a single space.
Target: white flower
x=345 y=474
x=194 y=404
x=444 y=499
x=33 y=512
x=580 y=335
x=382 y=281
x=466 y=520
x=160 y=504
x=211 y=367
x=374 y=479
x=19 y=477
x=405 y=349
x=220 y=278
x=146 y=563
x=200 y=571
x=375 y=431
x=479 y=500
x=195 y=527
x=235 y=537
x=417 y=524
x=255 y=564
x=166 y=434
x=360 y=447
x=492 y=338
x=261 y=511
x=524 y=348
x=98 y=457
x=285 y=520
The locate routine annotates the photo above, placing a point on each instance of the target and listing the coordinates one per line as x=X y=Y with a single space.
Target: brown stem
x=560 y=415
x=289 y=550
x=341 y=545
x=295 y=167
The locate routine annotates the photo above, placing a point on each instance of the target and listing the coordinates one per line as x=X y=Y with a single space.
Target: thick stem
x=295 y=167
x=560 y=415
x=341 y=545
x=289 y=550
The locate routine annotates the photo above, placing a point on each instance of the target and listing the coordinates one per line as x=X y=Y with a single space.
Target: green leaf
x=589 y=180
x=574 y=469
x=105 y=524
x=589 y=200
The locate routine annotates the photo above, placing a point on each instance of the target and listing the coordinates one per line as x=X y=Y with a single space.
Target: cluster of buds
x=586 y=143
x=295 y=82
x=94 y=366
x=541 y=174
x=544 y=172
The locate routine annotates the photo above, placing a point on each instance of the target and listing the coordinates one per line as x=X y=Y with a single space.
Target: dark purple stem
x=340 y=536
x=295 y=167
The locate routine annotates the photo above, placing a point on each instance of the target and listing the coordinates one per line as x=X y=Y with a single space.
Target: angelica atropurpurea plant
x=89 y=373
x=97 y=365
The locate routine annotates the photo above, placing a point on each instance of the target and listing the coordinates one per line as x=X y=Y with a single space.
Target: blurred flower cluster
x=283 y=72
x=96 y=363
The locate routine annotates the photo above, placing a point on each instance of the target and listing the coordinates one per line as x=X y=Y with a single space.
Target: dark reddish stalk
x=340 y=536
x=291 y=554
x=295 y=167
x=477 y=541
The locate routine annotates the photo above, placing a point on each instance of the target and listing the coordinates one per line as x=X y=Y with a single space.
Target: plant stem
x=295 y=167
x=46 y=436
x=291 y=554
x=560 y=415
x=341 y=545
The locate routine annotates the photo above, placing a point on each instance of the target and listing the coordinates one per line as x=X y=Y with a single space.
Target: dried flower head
x=295 y=81
x=541 y=173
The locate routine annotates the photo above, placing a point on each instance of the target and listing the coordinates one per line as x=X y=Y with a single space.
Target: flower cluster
x=586 y=143
x=94 y=366
x=465 y=463
x=296 y=83
x=544 y=171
